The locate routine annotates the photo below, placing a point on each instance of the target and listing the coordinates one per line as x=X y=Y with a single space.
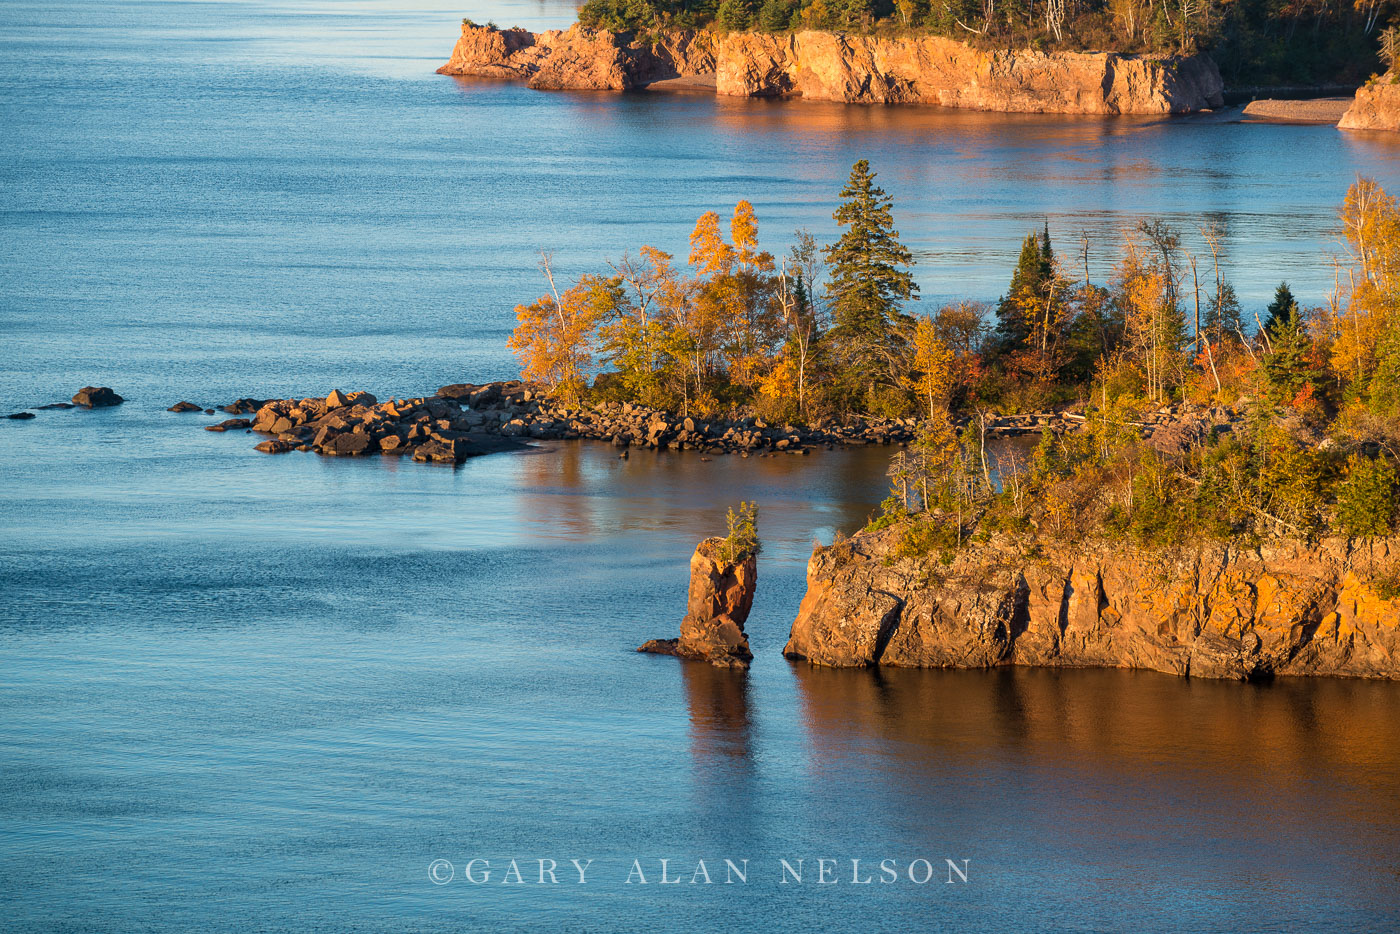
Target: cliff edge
x=1214 y=611
x=853 y=69
x=1376 y=107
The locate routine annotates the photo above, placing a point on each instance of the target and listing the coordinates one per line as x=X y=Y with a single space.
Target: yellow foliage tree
x=932 y=365
x=735 y=321
x=1153 y=321
x=1365 y=326
x=553 y=335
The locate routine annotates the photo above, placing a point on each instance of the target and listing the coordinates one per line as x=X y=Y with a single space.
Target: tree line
x=1254 y=41
x=827 y=332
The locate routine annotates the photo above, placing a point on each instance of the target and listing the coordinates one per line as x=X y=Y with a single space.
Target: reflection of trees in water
x=553 y=492
x=584 y=491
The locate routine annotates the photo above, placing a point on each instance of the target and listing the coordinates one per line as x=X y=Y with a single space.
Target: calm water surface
x=251 y=693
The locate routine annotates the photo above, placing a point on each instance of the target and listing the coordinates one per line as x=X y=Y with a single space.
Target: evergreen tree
x=869 y=279
x=1289 y=367
x=1223 y=312
x=1035 y=270
x=1047 y=255
x=1282 y=310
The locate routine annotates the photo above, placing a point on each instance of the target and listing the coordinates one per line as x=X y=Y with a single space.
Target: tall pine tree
x=870 y=279
x=1034 y=271
x=1282 y=310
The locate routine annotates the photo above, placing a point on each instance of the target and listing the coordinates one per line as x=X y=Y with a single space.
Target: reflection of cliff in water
x=718 y=700
x=1338 y=733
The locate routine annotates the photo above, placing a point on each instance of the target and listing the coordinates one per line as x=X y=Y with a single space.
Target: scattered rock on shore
x=229 y=424
x=467 y=419
x=1312 y=110
x=96 y=397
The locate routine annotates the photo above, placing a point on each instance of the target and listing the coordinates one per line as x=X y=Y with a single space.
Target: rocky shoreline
x=464 y=420
x=1214 y=611
x=848 y=68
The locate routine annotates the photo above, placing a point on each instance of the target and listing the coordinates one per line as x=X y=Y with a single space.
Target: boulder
x=340 y=400
x=20 y=416
x=244 y=406
x=96 y=397
x=348 y=444
x=721 y=595
x=185 y=407
x=229 y=424
x=443 y=452
x=276 y=446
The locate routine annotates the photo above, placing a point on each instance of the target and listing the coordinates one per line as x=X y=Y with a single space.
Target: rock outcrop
x=836 y=67
x=579 y=59
x=936 y=70
x=1376 y=107
x=96 y=397
x=721 y=595
x=1215 y=611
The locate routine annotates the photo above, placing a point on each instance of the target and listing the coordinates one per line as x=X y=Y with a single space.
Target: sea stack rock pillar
x=721 y=595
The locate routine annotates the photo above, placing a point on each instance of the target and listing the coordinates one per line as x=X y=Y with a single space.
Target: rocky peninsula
x=1215 y=610
x=465 y=419
x=837 y=67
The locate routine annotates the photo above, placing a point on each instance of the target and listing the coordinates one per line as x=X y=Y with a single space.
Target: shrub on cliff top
x=742 y=539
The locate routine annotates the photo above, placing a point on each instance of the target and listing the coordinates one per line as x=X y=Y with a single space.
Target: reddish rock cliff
x=1216 y=611
x=935 y=70
x=859 y=69
x=578 y=58
x=1376 y=107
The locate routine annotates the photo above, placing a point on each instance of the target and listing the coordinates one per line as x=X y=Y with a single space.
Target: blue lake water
x=250 y=693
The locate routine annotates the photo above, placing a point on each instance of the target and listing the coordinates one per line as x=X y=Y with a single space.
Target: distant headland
x=828 y=66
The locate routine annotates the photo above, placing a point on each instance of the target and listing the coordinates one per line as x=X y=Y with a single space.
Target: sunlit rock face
x=1214 y=611
x=935 y=70
x=720 y=597
x=1376 y=107
x=578 y=58
x=856 y=69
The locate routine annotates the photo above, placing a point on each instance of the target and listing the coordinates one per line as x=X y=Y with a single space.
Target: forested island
x=1203 y=446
